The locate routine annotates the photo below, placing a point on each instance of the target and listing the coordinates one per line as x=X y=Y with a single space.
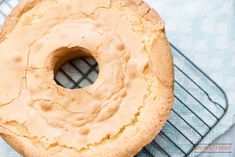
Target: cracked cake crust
x=147 y=118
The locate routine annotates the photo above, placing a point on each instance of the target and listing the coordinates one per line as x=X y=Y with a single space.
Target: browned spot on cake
x=84 y=131
x=46 y=107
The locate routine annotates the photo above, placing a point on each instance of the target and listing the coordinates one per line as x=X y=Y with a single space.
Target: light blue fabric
x=205 y=31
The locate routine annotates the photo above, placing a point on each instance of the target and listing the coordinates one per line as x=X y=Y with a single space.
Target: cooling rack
x=200 y=103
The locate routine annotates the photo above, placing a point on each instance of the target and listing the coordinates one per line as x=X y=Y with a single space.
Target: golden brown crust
x=15 y=15
x=162 y=60
x=131 y=139
x=21 y=144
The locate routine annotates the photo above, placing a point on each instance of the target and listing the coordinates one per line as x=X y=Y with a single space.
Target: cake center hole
x=77 y=72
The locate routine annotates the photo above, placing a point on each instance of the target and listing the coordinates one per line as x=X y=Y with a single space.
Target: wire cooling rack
x=199 y=102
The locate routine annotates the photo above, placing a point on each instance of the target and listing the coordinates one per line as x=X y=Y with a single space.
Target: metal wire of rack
x=199 y=102
x=195 y=94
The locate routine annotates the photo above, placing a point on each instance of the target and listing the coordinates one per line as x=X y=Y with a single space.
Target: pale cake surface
x=114 y=117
